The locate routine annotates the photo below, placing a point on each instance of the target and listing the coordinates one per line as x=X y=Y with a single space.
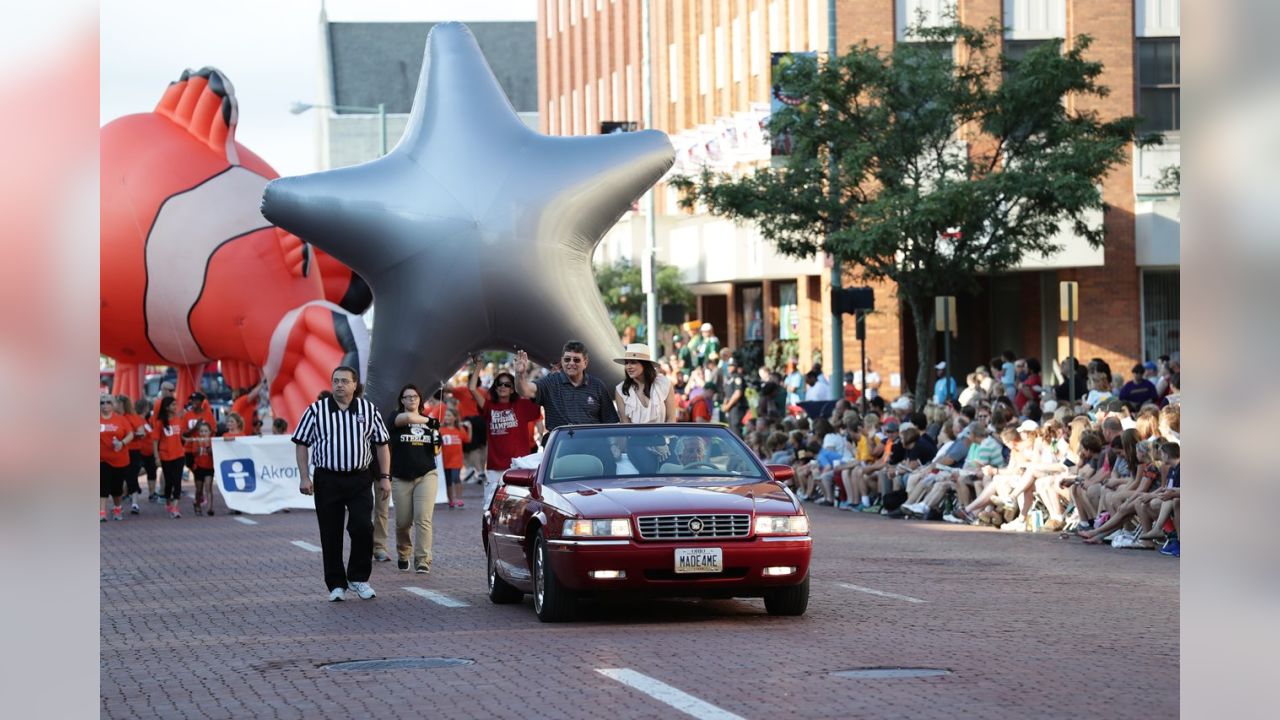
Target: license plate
x=699 y=560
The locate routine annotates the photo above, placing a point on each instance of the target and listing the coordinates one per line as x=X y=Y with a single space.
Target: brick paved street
x=211 y=618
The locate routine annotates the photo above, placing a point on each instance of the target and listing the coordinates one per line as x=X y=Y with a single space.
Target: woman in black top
x=415 y=472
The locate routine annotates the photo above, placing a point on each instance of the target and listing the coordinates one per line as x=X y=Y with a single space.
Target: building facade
x=370 y=63
x=711 y=84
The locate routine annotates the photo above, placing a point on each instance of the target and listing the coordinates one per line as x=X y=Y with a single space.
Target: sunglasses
x=105 y=402
x=570 y=360
x=503 y=384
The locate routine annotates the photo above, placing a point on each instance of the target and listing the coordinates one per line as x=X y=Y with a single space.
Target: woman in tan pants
x=416 y=470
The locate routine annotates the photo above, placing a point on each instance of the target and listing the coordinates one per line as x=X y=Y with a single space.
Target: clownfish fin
x=297 y=254
x=203 y=102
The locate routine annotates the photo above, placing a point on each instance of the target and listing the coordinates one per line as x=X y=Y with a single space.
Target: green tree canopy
x=931 y=164
x=620 y=288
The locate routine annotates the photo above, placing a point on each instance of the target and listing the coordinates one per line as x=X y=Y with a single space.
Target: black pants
x=111 y=480
x=345 y=497
x=172 y=470
x=135 y=467
x=149 y=464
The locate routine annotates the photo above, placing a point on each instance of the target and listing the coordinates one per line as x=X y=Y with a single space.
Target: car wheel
x=501 y=592
x=792 y=600
x=551 y=601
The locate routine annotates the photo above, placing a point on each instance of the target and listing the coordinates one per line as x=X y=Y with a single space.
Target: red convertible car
x=678 y=510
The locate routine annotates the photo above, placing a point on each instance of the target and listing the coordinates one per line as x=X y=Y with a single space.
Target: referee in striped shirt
x=340 y=433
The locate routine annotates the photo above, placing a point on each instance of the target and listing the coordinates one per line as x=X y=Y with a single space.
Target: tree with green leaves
x=931 y=165
x=620 y=288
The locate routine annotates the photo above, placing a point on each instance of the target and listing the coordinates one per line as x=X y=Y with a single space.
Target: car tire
x=552 y=601
x=501 y=592
x=793 y=600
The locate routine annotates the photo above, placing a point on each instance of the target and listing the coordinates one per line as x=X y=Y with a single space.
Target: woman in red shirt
x=124 y=406
x=166 y=438
x=507 y=418
x=453 y=436
x=114 y=434
x=147 y=447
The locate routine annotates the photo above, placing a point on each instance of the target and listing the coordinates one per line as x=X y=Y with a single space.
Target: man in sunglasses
x=570 y=396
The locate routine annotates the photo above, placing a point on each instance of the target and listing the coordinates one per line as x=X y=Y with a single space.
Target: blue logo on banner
x=239 y=475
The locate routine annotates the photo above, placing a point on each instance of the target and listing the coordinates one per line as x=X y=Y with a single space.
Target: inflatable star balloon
x=475 y=232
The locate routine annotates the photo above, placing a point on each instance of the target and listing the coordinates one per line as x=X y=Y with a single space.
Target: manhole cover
x=889 y=673
x=407 y=663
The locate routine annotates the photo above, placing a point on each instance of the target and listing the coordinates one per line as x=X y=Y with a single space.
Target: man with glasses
x=572 y=397
x=340 y=433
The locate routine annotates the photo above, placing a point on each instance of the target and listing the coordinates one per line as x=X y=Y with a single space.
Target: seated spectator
x=1099 y=389
x=1168 y=475
x=1139 y=390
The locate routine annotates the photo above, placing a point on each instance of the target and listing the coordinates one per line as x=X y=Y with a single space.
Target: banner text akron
x=278 y=472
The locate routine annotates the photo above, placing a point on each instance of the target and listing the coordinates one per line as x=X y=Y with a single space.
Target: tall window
x=1160 y=83
x=1161 y=314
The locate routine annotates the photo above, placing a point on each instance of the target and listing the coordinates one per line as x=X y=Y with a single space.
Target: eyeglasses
x=570 y=360
x=408 y=397
x=503 y=384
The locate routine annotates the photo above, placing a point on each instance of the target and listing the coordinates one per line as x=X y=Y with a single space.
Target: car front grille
x=677 y=527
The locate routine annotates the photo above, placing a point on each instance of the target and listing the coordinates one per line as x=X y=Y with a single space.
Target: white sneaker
x=337 y=595
x=920 y=508
x=952 y=519
x=363 y=589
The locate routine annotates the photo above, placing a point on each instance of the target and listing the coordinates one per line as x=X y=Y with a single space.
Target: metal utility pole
x=648 y=269
x=837 y=331
x=1068 y=299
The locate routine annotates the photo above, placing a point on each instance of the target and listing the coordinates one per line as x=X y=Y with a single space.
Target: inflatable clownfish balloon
x=192 y=273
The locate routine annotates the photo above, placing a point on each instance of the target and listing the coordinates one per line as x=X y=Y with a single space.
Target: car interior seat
x=576 y=466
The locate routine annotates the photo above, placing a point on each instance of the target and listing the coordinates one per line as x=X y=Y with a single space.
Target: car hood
x=617 y=498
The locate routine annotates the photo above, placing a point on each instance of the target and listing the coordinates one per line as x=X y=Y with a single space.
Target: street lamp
x=299 y=107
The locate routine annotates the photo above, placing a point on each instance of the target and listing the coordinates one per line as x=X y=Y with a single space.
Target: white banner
x=259 y=475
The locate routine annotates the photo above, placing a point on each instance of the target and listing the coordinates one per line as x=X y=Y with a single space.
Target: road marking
x=436 y=597
x=881 y=593
x=244 y=520
x=664 y=693
x=306 y=545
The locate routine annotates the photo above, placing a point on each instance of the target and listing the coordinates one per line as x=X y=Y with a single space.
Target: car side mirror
x=520 y=477
x=781 y=473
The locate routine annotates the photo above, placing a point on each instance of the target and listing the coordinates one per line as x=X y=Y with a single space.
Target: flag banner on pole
x=258 y=475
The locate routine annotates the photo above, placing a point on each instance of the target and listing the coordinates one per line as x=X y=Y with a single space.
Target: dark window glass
x=1016 y=50
x=1159 y=83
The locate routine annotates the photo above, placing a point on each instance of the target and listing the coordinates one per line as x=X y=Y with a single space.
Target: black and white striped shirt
x=341 y=440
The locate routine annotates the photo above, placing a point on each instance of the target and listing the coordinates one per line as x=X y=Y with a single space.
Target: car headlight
x=782 y=524
x=612 y=527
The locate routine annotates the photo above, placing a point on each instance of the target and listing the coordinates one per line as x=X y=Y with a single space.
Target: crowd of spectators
x=1076 y=449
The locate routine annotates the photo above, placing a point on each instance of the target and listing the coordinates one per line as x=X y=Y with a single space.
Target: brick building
x=710 y=83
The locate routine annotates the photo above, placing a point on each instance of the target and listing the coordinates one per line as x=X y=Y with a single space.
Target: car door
x=512 y=507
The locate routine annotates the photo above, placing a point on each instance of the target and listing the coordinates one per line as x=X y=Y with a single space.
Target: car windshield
x=649 y=451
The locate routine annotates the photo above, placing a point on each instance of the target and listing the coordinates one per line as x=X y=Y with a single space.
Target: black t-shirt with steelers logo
x=414 y=448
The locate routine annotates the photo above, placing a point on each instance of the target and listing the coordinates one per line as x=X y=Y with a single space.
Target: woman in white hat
x=644 y=396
